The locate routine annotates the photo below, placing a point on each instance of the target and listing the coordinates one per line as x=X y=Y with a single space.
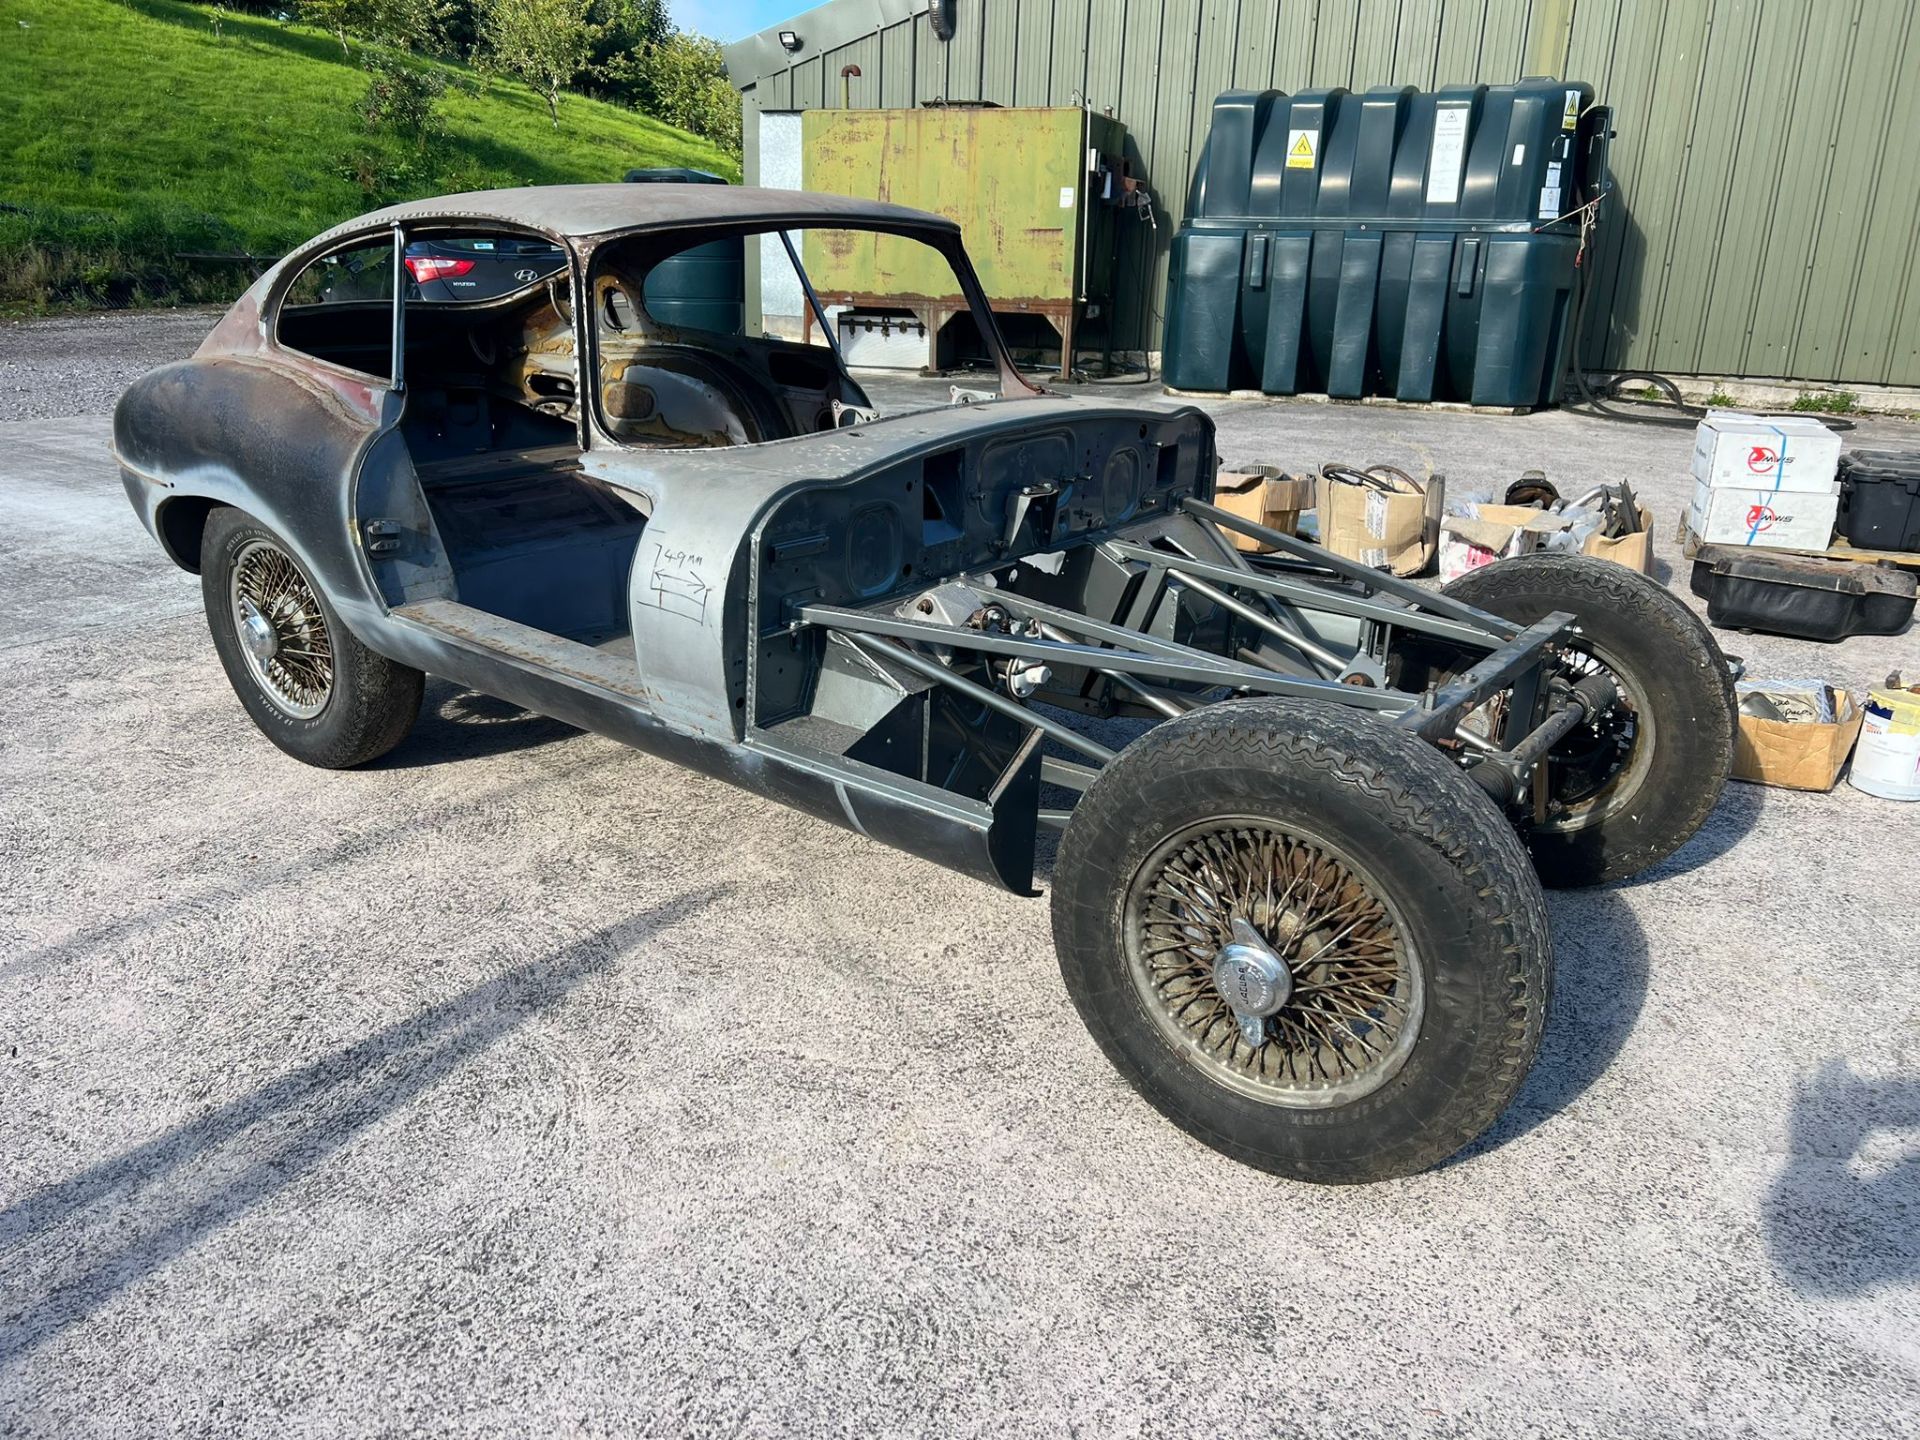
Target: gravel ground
x=78 y=364
x=523 y=1084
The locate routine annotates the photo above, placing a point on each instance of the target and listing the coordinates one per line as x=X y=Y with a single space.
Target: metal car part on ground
x=1803 y=596
x=1299 y=908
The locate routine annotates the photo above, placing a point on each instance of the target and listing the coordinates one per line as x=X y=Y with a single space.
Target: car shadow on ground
x=461 y=724
x=1731 y=821
x=1601 y=971
x=1599 y=989
x=1841 y=1217
x=299 y=868
x=75 y=1244
x=1601 y=974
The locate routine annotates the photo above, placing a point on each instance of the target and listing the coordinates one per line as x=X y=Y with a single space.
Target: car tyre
x=1676 y=680
x=311 y=687
x=1397 y=895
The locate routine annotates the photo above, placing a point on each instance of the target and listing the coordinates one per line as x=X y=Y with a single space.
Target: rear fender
x=281 y=446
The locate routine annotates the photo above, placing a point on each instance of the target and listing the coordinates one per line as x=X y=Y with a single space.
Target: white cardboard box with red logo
x=1782 y=453
x=1765 y=519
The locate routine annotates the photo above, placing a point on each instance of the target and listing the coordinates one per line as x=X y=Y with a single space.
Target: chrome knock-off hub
x=1253 y=980
x=257 y=632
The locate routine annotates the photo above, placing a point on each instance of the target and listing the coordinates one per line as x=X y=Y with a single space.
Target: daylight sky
x=729 y=20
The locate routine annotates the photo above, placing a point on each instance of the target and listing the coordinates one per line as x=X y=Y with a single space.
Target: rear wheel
x=314 y=690
x=1630 y=790
x=1305 y=937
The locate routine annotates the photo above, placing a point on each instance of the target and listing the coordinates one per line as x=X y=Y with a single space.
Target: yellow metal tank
x=1036 y=192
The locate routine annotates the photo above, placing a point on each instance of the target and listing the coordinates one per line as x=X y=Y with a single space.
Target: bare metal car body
x=751 y=558
x=948 y=631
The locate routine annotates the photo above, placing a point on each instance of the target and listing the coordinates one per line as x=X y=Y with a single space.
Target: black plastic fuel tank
x=703 y=288
x=1419 y=245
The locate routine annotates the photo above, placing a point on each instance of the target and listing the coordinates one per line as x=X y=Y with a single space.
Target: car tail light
x=426 y=268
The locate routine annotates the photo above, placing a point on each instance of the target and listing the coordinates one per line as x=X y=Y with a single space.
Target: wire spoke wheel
x=1624 y=792
x=1259 y=908
x=282 y=629
x=1600 y=767
x=1355 y=995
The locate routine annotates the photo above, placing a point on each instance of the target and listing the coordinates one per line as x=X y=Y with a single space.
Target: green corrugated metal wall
x=1768 y=156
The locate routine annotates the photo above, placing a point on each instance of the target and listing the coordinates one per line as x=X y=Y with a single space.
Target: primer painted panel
x=781 y=301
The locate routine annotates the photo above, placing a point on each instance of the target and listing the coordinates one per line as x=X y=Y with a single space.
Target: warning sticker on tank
x=1448 y=155
x=1303 y=147
x=1570 y=113
x=1550 y=202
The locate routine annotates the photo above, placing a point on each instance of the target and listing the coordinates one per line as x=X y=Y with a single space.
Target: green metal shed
x=1767 y=222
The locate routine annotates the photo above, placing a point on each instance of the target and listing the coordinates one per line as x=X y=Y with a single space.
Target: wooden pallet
x=1839 y=550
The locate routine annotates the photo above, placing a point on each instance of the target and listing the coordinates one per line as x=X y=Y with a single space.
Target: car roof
x=578 y=211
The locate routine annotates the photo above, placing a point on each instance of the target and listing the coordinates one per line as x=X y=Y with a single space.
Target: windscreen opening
x=680 y=362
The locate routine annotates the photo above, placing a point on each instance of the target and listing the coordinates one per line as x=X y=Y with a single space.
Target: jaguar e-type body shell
x=1300 y=930
x=858 y=620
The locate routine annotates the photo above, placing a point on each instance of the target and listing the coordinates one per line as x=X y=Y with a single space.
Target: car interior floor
x=530 y=537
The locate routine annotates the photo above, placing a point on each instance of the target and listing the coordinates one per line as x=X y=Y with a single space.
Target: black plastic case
x=1880 y=499
x=1808 y=598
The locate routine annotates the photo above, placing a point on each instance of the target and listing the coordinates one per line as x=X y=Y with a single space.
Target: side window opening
x=340 y=308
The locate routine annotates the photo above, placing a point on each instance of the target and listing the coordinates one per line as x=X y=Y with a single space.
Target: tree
x=682 y=79
x=544 y=42
x=629 y=31
x=627 y=28
x=411 y=24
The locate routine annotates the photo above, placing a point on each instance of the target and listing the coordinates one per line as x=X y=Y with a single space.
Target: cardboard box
x=1395 y=530
x=1266 y=495
x=1780 y=520
x=1634 y=551
x=1779 y=453
x=1492 y=533
x=1496 y=531
x=1796 y=756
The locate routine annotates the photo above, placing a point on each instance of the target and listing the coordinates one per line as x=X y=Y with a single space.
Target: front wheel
x=311 y=687
x=1631 y=789
x=1305 y=937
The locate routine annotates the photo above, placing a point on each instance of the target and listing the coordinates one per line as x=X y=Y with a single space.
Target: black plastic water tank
x=1413 y=244
x=704 y=288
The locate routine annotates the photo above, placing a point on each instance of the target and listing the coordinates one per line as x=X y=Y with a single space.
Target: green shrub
x=401 y=96
x=1828 y=402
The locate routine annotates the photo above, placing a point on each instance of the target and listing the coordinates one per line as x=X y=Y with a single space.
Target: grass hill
x=132 y=132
